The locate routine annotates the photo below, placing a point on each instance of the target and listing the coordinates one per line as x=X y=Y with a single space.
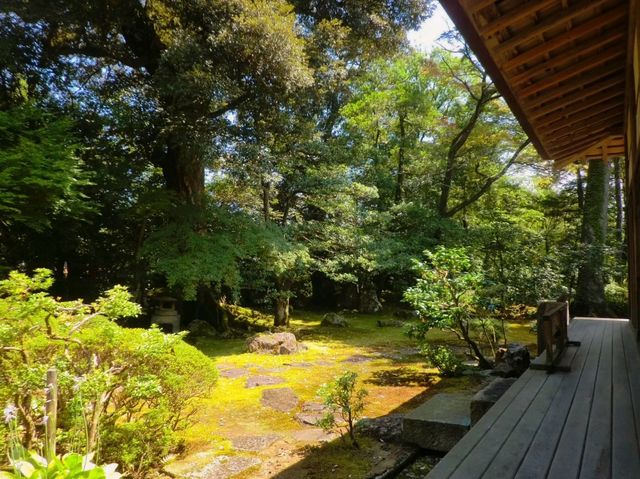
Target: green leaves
x=41 y=175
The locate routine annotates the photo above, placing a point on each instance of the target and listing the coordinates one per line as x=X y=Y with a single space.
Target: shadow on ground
x=338 y=459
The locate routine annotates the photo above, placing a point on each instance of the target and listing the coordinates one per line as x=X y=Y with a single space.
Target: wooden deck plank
x=541 y=450
x=507 y=462
x=625 y=461
x=568 y=452
x=450 y=461
x=582 y=423
x=632 y=357
x=596 y=459
x=479 y=458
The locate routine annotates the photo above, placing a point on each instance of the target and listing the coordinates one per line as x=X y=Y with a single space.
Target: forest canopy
x=271 y=153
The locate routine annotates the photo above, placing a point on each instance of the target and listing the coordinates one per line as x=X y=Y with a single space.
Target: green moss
x=396 y=378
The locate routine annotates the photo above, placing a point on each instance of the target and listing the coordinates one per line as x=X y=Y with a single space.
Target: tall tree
x=590 y=298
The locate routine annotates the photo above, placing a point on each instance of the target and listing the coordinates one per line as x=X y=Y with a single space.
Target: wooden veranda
x=570 y=71
x=581 y=423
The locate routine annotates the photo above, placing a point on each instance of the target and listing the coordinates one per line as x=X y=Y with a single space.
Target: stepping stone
x=255 y=381
x=311 y=413
x=254 y=443
x=314 y=435
x=280 y=399
x=484 y=399
x=358 y=358
x=439 y=423
x=224 y=467
x=233 y=373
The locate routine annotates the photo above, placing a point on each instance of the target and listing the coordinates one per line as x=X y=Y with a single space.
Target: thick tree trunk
x=183 y=171
x=590 y=299
x=266 y=198
x=401 y=147
x=580 y=188
x=281 y=312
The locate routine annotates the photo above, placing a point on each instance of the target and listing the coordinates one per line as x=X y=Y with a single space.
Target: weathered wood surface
x=584 y=423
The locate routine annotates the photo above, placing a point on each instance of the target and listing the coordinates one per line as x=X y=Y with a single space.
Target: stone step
x=484 y=399
x=439 y=423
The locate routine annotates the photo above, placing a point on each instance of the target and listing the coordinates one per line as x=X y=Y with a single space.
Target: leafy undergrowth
x=388 y=366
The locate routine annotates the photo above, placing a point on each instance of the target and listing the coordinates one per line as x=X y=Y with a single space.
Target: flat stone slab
x=224 y=467
x=255 y=381
x=254 y=443
x=314 y=435
x=358 y=358
x=439 y=423
x=233 y=373
x=280 y=399
x=484 y=399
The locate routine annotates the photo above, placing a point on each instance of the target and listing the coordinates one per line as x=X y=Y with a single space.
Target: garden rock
x=439 y=423
x=511 y=361
x=311 y=413
x=280 y=399
x=484 y=399
x=256 y=381
x=314 y=435
x=406 y=314
x=369 y=302
x=202 y=329
x=254 y=443
x=358 y=358
x=334 y=320
x=233 y=373
x=278 y=343
x=386 y=428
x=224 y=467
x=390 y=323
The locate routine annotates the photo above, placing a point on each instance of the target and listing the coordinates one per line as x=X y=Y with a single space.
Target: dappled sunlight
x=388 y=365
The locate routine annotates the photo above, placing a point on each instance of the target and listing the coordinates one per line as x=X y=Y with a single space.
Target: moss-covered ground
x=387 y=364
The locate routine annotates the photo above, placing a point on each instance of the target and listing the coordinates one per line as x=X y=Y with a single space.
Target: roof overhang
x=559 y=64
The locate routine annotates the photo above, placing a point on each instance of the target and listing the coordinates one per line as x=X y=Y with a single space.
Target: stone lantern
x=165 y=312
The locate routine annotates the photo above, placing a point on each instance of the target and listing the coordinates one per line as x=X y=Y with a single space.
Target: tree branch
x=488 y=182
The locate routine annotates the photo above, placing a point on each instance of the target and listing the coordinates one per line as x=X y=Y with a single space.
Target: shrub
x=113 y=383
x=617 y=297
x=343 y=398
x=446 y=297
x=443 y=359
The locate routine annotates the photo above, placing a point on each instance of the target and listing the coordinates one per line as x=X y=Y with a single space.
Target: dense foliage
x=121 y=392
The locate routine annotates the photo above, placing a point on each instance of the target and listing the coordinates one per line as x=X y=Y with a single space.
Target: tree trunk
x=619 y=214
x=580 y=188
x=266 y=197
x=401 y=147
x=590 y=300
x=183 y=171
x=282 y=312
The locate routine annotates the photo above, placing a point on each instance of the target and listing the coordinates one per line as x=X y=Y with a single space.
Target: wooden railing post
x=553 y=338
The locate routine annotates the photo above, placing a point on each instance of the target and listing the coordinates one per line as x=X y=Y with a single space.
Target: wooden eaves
x=560 y=66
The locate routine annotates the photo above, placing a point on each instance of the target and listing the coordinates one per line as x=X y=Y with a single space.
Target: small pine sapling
x=342 y=397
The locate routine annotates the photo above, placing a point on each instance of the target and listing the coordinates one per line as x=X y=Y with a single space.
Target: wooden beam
x=477 y=5
x=564 y=57
x=586 y=127
x=596 y=103
x=590 y=153
x=578 y=120
x=469 y=30
x=580 y=96
x=592 y=77
x=514 y=15
x=569 y=146
x=575 y=33
x=612 y=115
x=552 y=21
x=568 y=117
x=573 y=70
